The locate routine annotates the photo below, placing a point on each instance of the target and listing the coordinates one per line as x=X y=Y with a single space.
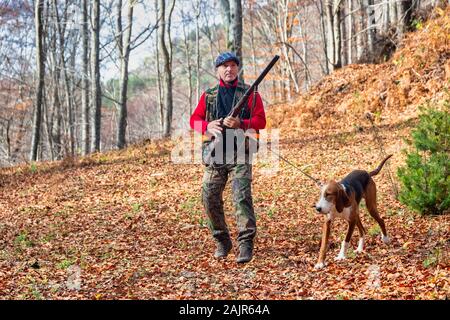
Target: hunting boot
x=223 y=248
x=245 y=252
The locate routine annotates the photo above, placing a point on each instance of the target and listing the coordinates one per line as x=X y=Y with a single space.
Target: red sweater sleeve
x=258 y=119
x=198 y=122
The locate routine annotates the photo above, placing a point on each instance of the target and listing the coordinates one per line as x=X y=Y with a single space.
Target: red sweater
x=257 y=121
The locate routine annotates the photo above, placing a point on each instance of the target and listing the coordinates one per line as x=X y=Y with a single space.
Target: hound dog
x=341 y=200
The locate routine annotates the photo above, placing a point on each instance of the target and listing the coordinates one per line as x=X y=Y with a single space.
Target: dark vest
x=216 y=108
x=213 y=105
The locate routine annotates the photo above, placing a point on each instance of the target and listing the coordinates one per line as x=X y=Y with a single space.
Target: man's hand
x=231 y=122
x=214 y=128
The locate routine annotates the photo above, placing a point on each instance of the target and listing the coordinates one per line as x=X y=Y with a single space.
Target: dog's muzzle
x=319 y=210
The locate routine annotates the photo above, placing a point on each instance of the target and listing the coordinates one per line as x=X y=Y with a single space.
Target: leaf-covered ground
x=130 y=225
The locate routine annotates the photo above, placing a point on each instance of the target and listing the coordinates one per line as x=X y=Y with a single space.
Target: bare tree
x=167 y=67
x=160 y=92
x=235 y=43
x=187 y=53
x=285 y=24
x=68 y=91
x=54 y=119
x=360 y=28
x=252 y=35
x=371 y=27
x=350 y=32
x=124 y=47
x=40 y=63
x=85 y=147
x=226 y=18
x=197 y=46
x=333 y=17
x=323 y=33
x=96 y=97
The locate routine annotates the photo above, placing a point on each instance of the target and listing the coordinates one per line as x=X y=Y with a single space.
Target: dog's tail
x=377 y=170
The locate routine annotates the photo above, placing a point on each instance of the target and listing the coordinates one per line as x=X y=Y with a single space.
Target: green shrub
x=425 y=177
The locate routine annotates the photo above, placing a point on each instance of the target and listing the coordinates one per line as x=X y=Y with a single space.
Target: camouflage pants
x=214 y=181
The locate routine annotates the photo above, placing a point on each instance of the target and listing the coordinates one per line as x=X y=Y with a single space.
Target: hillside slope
x=130 y=224
x=418 y=72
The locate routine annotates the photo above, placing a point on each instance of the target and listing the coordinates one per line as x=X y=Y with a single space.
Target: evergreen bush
x=425 y=177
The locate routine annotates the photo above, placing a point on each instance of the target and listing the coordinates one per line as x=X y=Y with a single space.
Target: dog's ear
x=342 y=200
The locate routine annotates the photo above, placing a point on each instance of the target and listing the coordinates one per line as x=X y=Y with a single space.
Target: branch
x=142 y=33
x=298 y=54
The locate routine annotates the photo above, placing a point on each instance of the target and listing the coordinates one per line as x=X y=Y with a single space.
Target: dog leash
x=316 y=181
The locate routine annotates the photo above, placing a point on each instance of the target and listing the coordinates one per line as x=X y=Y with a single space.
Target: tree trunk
x=56 y=114
x=304 y=34
x=40 y=63
x=360 y=33
x=158 y=75
x=344 y=40
x=124 y=55
x=47 y=123
x=95 y=74
x=168 y=105
x=188 y=60
x=333 y=14
x=385 y=17
x=324 y=29
x=371 y=25
x=73 y=86
x=197 y=43
x=8 y=138
x=393 y=13
x=350 y=32
x=330 y=34
x=236 y=31
x=56 y=133
x=337 y=63
x=85 y=83
x=226 y=18
x=68 y=94
x=284 y=31
x=252 y=39
x=404 y=12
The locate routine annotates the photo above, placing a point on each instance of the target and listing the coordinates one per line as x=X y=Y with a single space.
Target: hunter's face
x=228 y=71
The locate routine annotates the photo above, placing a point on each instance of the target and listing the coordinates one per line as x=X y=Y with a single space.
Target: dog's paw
x=319 y=265
x=340 y=257
x=385 y=239
x=360 y=248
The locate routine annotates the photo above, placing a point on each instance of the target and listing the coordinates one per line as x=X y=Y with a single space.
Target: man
x=213 y=108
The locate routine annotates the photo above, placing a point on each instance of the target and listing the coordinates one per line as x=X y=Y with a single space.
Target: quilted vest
x=211 y=102
x=212 y=112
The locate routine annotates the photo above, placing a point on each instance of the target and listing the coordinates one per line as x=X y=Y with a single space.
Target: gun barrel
x=266 y=70
x=238 y=107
